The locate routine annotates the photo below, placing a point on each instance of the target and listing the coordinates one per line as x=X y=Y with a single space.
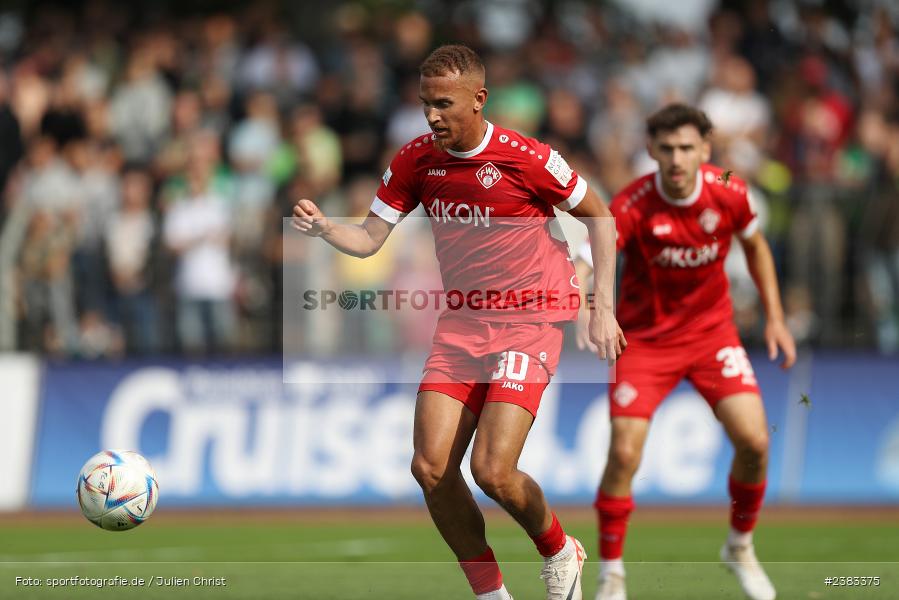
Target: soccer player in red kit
x=674 y=228
x=489 y=194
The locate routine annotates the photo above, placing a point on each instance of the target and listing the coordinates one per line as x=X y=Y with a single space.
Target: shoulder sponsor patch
x=387 y=175
x=559 y=169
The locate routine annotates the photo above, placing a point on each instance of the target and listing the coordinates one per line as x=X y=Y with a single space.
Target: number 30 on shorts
x=736 y=363
x=513 y=365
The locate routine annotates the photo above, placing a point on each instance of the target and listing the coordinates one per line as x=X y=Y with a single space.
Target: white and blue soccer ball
x=117 y=489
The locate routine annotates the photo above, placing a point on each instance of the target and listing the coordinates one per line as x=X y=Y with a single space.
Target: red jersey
x=490 y=210
x=673 y=284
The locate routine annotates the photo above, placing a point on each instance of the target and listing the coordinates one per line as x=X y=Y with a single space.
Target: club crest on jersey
x=488 y=175
x=709 y=220
x=625 y=394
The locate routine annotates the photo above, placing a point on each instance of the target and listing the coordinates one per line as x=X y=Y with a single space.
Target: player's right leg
x=443 y=430
x=614 y=502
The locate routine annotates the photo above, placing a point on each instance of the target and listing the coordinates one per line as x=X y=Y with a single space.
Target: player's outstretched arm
x=761 y=267
x=604 y=331
x=356 y=240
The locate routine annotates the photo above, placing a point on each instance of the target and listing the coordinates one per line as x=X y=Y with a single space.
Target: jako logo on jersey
x=437 y=172
x=687 y=257
x=709 y=220
x=387 y=175
x=445 y=212
x=512 y=386
x=625 y=394
x=661 y=229
x=488 y=175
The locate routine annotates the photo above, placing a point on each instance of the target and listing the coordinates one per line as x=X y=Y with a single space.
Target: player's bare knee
x=753 y=446
x=492 y=479
x=624 y=458
x=427 y=473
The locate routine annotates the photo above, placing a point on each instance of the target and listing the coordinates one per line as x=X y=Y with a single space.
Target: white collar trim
x=689 y=200
x=480 y=148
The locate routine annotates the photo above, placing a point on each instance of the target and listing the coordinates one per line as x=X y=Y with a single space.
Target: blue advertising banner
x=228 y=433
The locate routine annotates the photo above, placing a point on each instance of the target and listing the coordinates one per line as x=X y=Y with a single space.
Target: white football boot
x=611 y=587
x=562 y=573
x=500 y=594
x=741 y=561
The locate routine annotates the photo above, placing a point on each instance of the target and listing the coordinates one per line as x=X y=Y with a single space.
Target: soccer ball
x=117 y=489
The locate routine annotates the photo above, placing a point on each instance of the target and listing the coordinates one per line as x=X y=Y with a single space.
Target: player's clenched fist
x=605 y=335
x=308 y=218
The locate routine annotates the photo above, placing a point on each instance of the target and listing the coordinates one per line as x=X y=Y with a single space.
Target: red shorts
x=715 y=363
x=477 y=361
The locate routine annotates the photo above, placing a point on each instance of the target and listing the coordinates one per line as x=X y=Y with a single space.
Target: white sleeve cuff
x=748 y=231
x=388 y=213
x=577 y=194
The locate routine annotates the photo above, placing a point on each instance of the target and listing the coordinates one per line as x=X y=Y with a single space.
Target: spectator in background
x=140 y=108
x=280 y=64
x=565 y=125
x=618 y=135
x=131 y=239
x=407 y=120
x=515 y=102
x=97 y=171
x=49 y=323
x=186 y=119
x=879 y=252
x=311 y=150
x=29 y=98
x=220 y=49
x=817 y=126
x=738 y=111
x=251 y=146
x=197 y=231
x=361 y=121
x=412 y=41
x=12 y=148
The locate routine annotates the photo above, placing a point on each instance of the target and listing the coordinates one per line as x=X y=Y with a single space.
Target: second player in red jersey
x=672 y=244
x=674 y=228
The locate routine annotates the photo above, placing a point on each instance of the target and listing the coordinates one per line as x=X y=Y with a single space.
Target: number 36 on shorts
x=735 y=363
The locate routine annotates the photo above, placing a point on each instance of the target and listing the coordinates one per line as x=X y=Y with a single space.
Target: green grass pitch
x=399 y=556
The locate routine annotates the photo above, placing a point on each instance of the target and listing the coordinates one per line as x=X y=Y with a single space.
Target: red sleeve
x=552 y=180
x=746 y=222
x=398 y=193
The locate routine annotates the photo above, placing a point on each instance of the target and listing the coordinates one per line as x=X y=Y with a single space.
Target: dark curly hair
x=677 y=115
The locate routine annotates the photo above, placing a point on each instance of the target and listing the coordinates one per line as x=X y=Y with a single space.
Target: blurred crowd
x=150 y=151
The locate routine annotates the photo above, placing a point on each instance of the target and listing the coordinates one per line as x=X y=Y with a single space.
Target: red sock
x=613 y=513
x=550 y=541
x=482 y=572
x=746 y=502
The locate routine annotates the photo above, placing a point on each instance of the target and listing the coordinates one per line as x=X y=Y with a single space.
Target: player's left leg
x=722 y=373
x=744 y=420
x=499 y=440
